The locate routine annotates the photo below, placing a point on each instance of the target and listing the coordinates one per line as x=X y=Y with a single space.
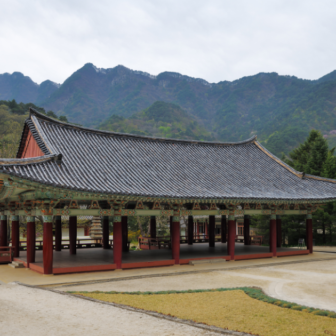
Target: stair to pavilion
x=16 y=264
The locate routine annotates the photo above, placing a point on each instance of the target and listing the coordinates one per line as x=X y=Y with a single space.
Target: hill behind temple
x=280 y=110
x=161 y=119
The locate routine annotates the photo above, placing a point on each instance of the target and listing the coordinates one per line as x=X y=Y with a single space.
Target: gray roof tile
x=114 y=163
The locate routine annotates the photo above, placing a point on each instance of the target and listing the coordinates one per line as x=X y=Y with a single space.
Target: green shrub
x=320 y=313
x=333 y=315
x=297 y=308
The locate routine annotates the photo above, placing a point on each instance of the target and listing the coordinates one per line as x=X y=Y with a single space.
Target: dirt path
x=36 y=312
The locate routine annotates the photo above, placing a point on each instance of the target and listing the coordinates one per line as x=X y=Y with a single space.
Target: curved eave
x=28 y=161
x=149 y=197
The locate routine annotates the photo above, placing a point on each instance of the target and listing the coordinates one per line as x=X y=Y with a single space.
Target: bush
x=133 y=236
x=320 y=313
x=297 y=308
x=333 y=315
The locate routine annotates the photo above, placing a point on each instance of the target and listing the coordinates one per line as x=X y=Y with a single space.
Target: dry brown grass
x=233 y=310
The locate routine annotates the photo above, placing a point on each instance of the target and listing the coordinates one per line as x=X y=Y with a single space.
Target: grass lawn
x=229 y=309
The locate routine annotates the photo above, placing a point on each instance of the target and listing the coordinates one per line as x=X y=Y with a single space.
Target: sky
x=211 y=39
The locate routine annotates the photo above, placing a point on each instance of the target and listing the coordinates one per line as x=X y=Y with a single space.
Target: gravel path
x=35 y=312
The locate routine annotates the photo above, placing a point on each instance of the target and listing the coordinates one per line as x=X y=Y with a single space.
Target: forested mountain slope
x=279 y=109
x=164 y=120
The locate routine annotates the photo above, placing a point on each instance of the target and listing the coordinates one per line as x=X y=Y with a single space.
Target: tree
x=63 y=118
x=313 y=157
x=310 y=156
x=329 y=168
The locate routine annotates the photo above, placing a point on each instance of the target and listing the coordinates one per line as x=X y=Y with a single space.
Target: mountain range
x=279 y=109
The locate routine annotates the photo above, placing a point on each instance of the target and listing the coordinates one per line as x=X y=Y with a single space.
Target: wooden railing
x=144 y=242
x=256 y=240
x=80 y=243
x=6 y=254
x=154 y=243
x=201 y=238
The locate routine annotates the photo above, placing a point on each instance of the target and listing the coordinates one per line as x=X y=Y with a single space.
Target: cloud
x=215 y=40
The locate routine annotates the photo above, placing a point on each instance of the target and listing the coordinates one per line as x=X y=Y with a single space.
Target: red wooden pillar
x=206 y=229
x=117 y=241
x=176 y=235
x=309 y=233
x=231 y=236
x=273 y=236
x=58 y=233
x=153 y=227
x=124 y=226
x=190 y=230
x=106 y=233
x=48 y=244
x=246 y=230
x=197 y=229
x=73 y=234
x=31 y=239
x=223 y=229
x=16 y=235
x=279 y=231
x=3 y=231
x=171 y=233
x=212 y=225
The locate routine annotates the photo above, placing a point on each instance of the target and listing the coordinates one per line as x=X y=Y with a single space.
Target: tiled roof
x=124 y=164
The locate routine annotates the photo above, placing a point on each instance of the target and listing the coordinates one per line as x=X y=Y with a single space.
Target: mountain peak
x=329 y=77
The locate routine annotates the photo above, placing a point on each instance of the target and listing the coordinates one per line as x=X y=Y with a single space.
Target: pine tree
x=313 y=157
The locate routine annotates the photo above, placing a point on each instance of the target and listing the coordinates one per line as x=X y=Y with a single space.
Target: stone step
x=206 y=261
x=16 y=264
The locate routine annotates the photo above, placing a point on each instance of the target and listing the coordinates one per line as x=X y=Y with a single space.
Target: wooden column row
x=120 y=233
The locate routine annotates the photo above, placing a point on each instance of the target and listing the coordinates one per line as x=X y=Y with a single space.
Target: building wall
x=65 y=232
x=31 y=148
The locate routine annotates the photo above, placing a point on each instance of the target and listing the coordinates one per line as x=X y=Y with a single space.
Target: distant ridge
x=279 y=109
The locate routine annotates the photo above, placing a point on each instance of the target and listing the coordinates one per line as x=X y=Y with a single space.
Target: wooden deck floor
x=98 y=259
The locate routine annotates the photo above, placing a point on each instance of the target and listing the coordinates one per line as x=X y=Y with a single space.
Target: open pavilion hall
x=67 y=170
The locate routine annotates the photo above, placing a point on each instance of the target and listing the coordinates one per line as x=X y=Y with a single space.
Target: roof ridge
x=279 y=161
x=38 y=115
x=321 y=178
x=291 y=169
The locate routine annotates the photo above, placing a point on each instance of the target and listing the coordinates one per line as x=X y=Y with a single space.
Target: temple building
x=67 y=170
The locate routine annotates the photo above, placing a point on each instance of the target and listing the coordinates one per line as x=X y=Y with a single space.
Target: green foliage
x=311 y=156
x=21 y=108
x=12 y=117
x=10 y=131
x=161 y=119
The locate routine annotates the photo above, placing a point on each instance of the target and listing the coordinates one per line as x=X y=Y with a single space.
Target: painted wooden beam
x=126 y=212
